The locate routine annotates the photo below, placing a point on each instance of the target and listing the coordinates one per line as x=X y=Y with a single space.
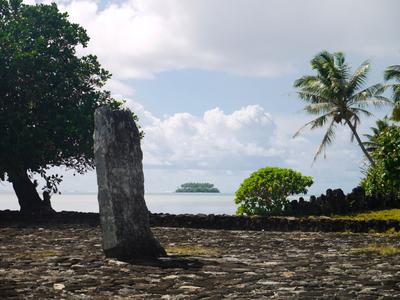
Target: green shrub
x=384 y=176
x=266 y=190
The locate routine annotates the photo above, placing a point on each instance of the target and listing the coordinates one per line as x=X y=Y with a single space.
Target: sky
x=212 y=82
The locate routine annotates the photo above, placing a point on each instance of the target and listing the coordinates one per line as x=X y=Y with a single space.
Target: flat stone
x=58 y=286
x=189 y=287
x=268 y=282
x=170 y=277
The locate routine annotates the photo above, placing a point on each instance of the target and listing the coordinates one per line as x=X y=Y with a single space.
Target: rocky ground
x=67 y=262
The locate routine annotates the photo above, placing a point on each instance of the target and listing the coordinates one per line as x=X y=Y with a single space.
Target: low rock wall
x=271 y=223
x=337 y=202
x=226 y=222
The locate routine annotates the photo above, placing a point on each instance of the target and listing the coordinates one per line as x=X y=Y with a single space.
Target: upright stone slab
x=124 y=217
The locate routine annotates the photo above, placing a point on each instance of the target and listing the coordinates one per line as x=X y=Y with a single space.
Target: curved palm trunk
x=353 y=129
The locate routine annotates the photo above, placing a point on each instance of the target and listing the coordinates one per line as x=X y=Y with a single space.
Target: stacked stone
x=336 y=202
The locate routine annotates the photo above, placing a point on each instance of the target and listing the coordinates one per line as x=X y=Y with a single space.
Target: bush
x=384 y=177
x=266 y=190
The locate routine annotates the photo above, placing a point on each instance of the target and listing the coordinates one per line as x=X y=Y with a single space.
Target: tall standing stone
x=124 y=217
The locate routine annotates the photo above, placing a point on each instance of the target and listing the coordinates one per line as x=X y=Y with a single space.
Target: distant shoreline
x=203 y=192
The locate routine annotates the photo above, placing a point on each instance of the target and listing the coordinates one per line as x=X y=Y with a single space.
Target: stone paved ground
x=67 y=262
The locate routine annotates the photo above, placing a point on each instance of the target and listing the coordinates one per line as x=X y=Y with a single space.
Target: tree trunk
x=28 y=197
x=353 y=129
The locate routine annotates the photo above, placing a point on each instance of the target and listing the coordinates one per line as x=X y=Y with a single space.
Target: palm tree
x=371 y=144
x=393 y=72
x=338 y=97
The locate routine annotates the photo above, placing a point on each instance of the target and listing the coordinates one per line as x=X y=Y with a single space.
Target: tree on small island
x=195 y=187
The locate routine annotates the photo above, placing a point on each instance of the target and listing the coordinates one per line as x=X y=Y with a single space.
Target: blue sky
x=212 y=82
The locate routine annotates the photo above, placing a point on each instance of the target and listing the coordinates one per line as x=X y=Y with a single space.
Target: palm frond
x=369 y=92
x=313 y=89
x=339 y=73
x=396 y=92
x=327 y=139
x=356 y=110
x=392 y=72
x=370 y=146
x=371 y=95
x=340 y=59
x=310 y=83
x=368 y=136
x=371 y=143
x=381 y=125
x=342 y=69
x=396 y=112
x=312 y=97
x=317 y=108
x=358 y=79
x=322 y=62
x=377 y=102
x=318 y=122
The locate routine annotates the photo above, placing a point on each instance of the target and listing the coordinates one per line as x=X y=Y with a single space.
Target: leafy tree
x=384 y=176
x=267 y=189
x=47 y=98
x=338 y=96
x=393 y=72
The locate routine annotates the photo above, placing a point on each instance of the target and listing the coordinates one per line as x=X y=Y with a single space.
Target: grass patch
x=390 y=232
x=383 y=215
x=381 y=250
x=347 y=232
x=192 y=250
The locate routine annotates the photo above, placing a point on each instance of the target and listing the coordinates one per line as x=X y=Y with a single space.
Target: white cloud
x=226 y=148
x=214 y=141
x=119 y=88
x=139 y=38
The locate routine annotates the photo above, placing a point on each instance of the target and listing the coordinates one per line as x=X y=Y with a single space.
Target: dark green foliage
x=267 y=189
x=47 y=93
x=338 y=96
x=195 y=187
x=371 y=144
x=384 y=177
x=393 y=73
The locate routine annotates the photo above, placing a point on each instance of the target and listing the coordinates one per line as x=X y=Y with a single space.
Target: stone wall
x=336 y=202
x=259 y=223
x=226 y=222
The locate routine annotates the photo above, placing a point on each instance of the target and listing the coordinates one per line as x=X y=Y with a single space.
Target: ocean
x=173 y=203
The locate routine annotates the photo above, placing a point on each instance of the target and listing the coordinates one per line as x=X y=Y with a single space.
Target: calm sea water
x=165 y=203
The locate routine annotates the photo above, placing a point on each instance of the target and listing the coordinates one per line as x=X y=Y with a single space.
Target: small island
x=195 y=187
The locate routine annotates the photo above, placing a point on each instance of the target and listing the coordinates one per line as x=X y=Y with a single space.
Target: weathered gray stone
x=124 y=217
